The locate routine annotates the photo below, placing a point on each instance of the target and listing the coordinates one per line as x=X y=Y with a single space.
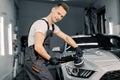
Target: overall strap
x=53 y=27
x=46 y=22
x=48 y=25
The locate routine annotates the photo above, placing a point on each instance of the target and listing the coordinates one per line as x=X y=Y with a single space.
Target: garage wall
x=112 y=13
x=7 y=10
x=30 y=11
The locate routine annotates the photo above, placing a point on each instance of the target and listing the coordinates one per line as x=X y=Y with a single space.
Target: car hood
x=100 y=58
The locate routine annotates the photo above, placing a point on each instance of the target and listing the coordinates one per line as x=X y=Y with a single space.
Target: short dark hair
x=64 y=5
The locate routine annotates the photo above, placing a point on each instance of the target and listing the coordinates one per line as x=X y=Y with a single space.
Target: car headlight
x=76 y=72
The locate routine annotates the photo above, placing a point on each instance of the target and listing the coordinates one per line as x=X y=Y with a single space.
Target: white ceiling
x=78 y=3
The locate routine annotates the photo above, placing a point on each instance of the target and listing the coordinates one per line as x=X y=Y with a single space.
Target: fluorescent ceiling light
x=10 y=39
x=2 y=45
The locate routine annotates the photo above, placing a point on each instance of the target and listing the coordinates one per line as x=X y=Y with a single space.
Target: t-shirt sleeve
x=40 y=26
x=57 y=29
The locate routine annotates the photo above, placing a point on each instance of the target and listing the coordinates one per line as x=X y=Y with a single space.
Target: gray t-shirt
x=39 y=26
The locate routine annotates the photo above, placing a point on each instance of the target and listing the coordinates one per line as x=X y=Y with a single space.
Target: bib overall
x=35 y=65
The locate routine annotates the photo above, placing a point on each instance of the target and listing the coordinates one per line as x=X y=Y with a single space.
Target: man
x=39 y=40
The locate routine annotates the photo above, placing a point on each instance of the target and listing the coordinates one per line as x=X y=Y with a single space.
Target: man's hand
x=78 y=62
x=79 y=52
x=54 y=61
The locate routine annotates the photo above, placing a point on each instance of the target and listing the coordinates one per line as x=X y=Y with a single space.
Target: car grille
x=112 y=75
x=81 y=73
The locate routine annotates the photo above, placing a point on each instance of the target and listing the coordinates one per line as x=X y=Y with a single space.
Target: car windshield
x=97 y=41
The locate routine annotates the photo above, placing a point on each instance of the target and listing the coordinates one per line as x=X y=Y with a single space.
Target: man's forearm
x=71 y=42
